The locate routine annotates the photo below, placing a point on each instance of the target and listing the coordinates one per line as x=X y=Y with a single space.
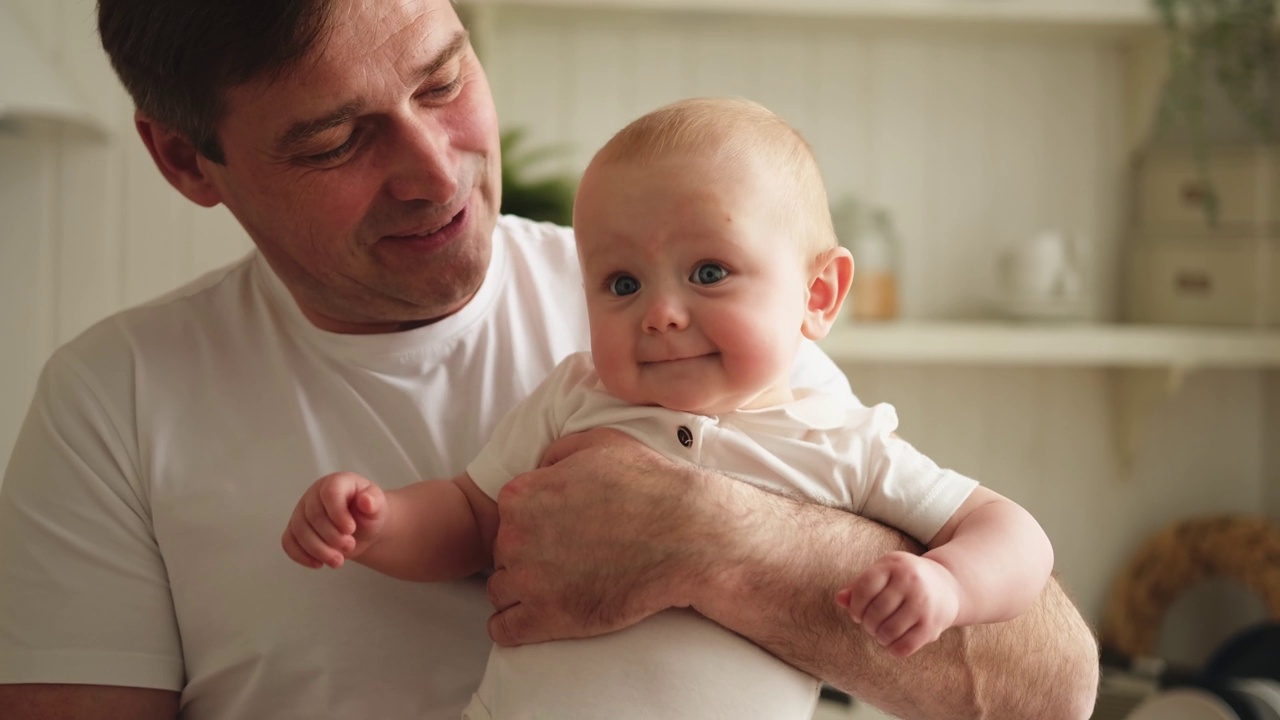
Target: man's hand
x=904 y=601
x=338 y=517
x=611 y=533
x=595 y=540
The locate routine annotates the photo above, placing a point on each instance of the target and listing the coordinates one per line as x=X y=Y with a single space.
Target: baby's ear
x=828 y=285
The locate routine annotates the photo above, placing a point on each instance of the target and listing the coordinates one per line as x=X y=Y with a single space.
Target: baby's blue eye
x=624 y=285
x=709 y=274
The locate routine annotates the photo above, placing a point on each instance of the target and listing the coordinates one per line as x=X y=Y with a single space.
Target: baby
x=708 y=257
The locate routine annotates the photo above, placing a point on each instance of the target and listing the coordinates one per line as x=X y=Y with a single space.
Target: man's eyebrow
x=447 y=53
x=303 y=130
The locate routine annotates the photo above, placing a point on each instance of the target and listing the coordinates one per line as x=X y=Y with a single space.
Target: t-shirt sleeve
x=899 y=485
x=524 y=434
x=84 y=596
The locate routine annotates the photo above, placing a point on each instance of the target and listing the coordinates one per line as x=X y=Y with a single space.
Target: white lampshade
x=30 y=87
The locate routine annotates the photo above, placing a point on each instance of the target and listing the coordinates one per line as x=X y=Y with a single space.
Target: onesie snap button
x=684 y=436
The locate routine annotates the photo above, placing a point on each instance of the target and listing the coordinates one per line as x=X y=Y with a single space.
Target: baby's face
x=696 y=287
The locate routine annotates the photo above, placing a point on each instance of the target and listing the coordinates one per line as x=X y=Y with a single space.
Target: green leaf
x=528 y=194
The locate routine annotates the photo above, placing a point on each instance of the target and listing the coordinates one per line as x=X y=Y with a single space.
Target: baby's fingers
x=912 y=640
x=312 y=546
x=862 y=591
x=335 y=493
x=333 y=530
x=294 y=550
x=370 y=503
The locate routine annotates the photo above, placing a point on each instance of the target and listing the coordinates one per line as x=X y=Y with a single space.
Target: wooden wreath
x=1236 y=547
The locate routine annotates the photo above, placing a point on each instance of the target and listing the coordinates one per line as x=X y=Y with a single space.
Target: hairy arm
x=99 y=702
x=778 y=589
x=569 y=565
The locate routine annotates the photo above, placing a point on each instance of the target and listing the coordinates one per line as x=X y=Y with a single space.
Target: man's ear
x=832 y=274
x=178 y=160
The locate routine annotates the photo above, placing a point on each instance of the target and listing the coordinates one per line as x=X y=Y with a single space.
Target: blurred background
x=1067 y=284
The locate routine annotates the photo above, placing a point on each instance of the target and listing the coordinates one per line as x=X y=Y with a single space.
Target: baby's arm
x=987 y=564
x=430 y=530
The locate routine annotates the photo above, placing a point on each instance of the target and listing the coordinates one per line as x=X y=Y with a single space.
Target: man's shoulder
x=531 y=241
x=168 y=321
x=516 y=227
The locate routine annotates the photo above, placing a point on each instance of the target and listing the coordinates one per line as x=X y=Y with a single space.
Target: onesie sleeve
x=524 y=434
x=84 y=596
x=899 y=485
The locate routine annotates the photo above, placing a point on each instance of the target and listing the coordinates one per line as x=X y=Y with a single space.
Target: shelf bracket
x=1136 y=393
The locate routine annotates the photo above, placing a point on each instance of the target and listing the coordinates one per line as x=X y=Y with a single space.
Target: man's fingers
x=523 y=624
x=562 y=448
x=499 y=590
x=567 y=445
x=509 y=627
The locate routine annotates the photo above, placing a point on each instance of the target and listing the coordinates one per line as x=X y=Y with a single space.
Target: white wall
x=86 y=226
x=973 y=140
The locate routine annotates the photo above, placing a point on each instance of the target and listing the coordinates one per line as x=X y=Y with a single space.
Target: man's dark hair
x=177 y=57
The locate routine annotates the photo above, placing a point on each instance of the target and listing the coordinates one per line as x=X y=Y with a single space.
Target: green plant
x=537 y=197
x=1231 y=45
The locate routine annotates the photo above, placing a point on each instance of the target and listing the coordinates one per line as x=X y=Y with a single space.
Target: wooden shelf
x=1107 y=13
x=1066 y=345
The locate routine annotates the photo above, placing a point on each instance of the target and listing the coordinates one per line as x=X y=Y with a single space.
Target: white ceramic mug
x=1040 y=268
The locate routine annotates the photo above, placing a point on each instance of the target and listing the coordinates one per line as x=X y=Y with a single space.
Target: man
x=386 y=322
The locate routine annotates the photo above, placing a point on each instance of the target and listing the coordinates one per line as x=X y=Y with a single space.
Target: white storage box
x=1223 y=282
x=1171 y=193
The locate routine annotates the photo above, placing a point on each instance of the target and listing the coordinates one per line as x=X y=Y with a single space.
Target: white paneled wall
x=86 y=226
x=973 y=140
x=1045 y=438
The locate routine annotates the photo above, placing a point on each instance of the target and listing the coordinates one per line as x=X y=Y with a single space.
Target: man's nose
x=665 y=314
x=422 y=163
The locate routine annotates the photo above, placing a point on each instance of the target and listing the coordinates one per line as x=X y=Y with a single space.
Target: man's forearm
x=569 y=565
x=782 y=563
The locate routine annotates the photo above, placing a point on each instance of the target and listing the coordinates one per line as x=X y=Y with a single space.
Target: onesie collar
x=810 y=409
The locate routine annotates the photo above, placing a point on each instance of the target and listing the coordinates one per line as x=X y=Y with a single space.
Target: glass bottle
x=875 y=248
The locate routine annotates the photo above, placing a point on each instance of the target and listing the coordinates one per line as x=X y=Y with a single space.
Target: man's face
x=368 y=174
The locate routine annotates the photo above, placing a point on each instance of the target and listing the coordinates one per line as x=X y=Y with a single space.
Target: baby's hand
x=338 y=517
x=905 y=601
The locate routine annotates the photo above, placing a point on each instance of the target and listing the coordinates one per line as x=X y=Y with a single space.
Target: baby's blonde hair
x=734 y=132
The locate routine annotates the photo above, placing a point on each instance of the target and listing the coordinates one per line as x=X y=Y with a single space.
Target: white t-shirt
x=824 y=447
x=141 y=512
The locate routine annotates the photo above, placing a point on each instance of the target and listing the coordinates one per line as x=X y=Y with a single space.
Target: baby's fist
x=903 y=600
x=338 y=517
